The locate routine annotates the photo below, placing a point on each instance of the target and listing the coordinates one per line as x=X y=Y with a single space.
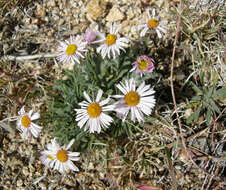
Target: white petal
x=99 y=95
x=87 y=97
x=73 y=154
x=82 y=122
x=36 y=126
x=159 y=33
x=72 y=166
x=153 y=12
x=35 y=116
x=144 y=31
x=162 y=29
x=123 y=90
x=30 y=113
x=21 y=112
x=70 y=144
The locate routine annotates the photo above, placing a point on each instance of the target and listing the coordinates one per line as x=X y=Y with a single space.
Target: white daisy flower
x=92 y=113
x=139 y=101
x=112 y=43
x=46 y=157
x=151 y=24
x=71 y=51
x=59 y=158
x=25 y=124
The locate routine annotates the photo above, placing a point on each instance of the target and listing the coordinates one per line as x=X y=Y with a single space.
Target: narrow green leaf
x=220 y=93
x=210 y=92
x=194 y=116
x=193 y=104
x=195 y=88
x=214 y=106
x=208 y=116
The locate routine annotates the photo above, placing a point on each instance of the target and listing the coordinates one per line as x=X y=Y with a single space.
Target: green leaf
x=195 y=88
x=193 y=104
x=194 y=116
x=220 y=93
x=214 y=106
x=202 y=78
x=208 y=116
x=196 y=98
x=209 y=94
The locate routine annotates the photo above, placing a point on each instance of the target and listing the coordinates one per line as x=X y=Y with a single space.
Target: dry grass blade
x=171 y=169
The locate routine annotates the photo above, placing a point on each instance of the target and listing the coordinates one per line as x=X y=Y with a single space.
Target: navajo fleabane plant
x=143 y=65
x=152 y=23
x=59 y=158
x=25 y=124
x=139 y=101
x=92 y=113
x=112 y=43
x=71 y=51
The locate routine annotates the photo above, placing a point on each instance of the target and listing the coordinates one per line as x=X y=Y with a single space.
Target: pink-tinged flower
x=143 y=65
x=90 y=36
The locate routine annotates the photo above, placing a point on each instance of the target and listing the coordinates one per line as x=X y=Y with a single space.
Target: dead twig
x=28 y=57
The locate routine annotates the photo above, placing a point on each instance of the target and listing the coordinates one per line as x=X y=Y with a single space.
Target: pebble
x=61 y=22
x=69 y=182
x=188 y=112
x=42 y=185
x=51 y=3
x=94 y=9
x=25 y=171
x=19 y=182
x=114 y=15
x=40 y=11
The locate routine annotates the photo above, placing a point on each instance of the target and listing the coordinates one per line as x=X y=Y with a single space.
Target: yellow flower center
x=62 y=155
x=26 y=121
x=94 y=110
x=71 y=49
x=142 y=65
x=50 y=157
x=111 y=39
x=132 y=98
x=152 y=23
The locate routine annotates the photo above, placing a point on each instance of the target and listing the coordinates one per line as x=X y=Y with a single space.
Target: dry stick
x=171 y=81
x=173 y=95
x=28 y=57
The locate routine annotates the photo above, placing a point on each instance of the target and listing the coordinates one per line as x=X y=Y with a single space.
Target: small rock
x=188 y=112
x=61 y=22
x=90 y=166
x=19 y=183
x=25 y=171
x=51 y=3
x=114 y=15
x=130 y=14
x=42 y=185
x=94 y=9
x=40 y=11
x=69 y=182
